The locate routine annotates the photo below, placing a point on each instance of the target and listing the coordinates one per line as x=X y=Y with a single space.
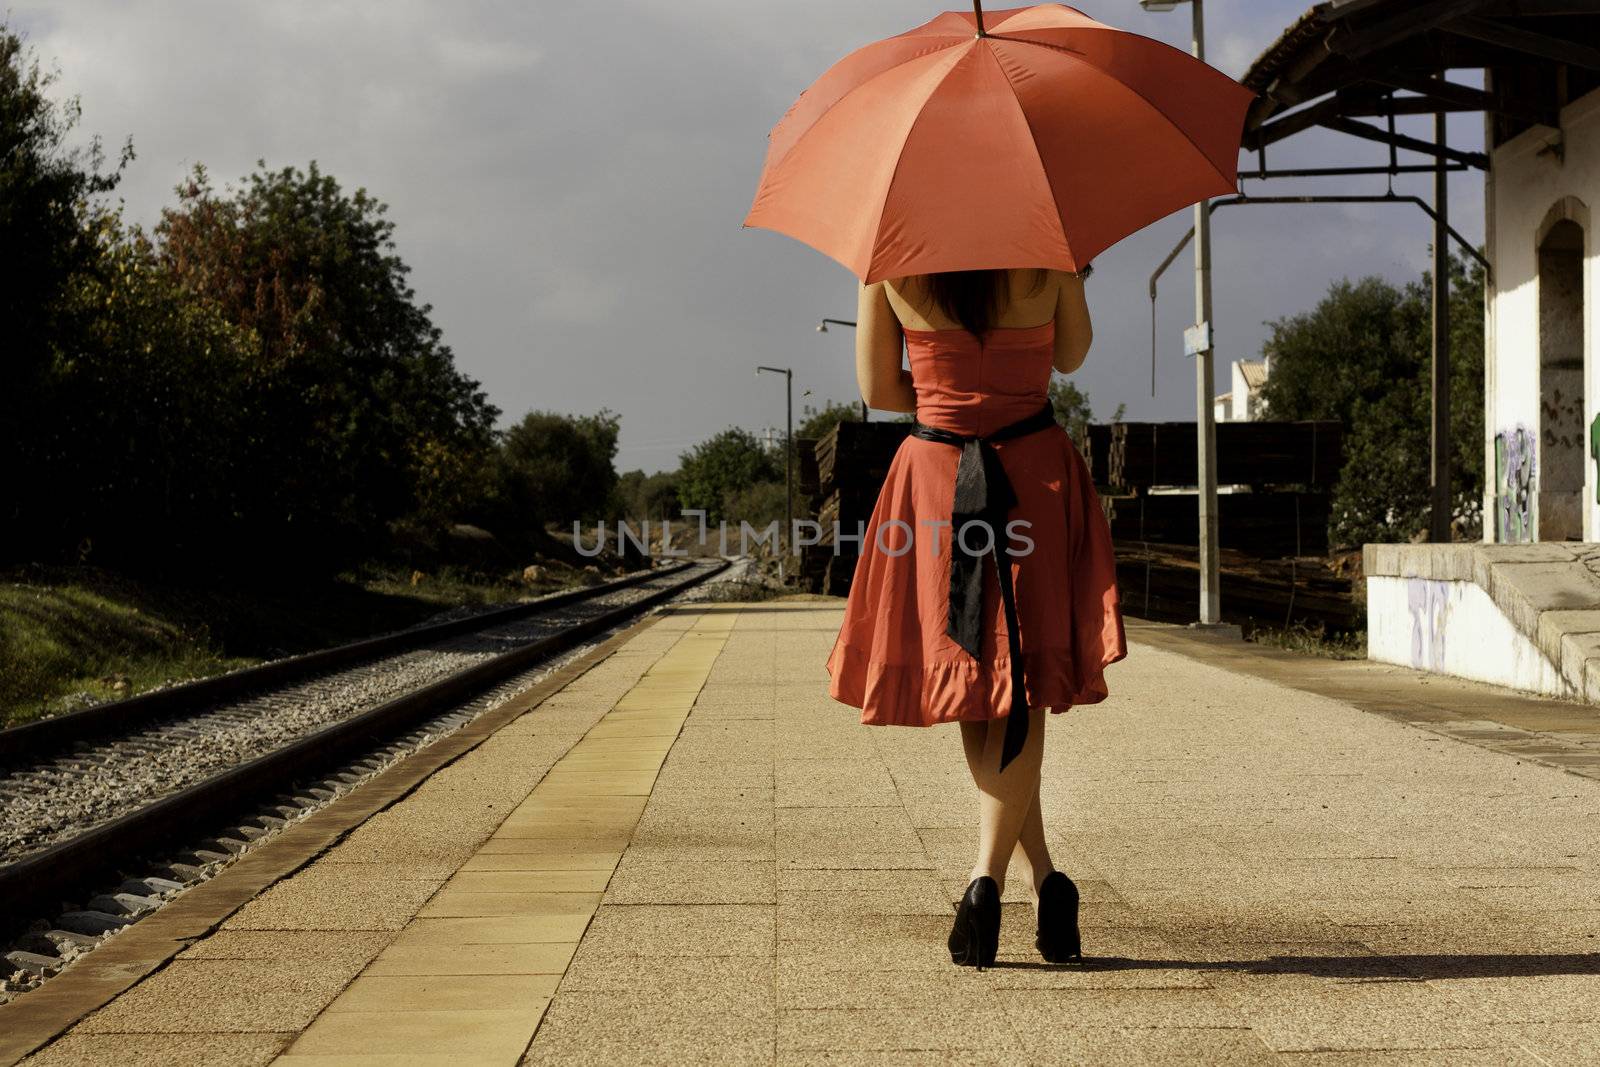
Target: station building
x=1542 y=382
x=1522 y=608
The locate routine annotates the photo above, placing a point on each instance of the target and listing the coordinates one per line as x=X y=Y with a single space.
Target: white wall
x=1527 y=184
x=1454 y=628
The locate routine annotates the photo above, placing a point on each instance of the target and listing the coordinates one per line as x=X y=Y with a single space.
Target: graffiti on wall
x=1594 y=452
x=1514 y=477
x=1429 y=604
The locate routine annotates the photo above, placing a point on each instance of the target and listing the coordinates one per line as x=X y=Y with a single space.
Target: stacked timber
x=1096 y=451
x=1260 y=524
x=1273 y=540
x=851 y=461
x=1142 y=454
x=1273 y=534
x=1163 y=582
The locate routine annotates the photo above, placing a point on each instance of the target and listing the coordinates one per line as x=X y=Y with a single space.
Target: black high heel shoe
x=975 y=938
x=1058 y=939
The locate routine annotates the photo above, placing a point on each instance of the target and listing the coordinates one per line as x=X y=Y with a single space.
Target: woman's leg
x=1031 y=844
x=1004 y=797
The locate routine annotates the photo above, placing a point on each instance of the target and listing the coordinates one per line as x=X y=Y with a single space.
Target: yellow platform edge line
x=541 y=875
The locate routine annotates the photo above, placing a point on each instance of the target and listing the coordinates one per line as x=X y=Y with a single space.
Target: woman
x=932 y=621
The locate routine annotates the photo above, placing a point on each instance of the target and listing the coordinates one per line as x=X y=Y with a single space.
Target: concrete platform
x=690 y=854
x=1525 y=616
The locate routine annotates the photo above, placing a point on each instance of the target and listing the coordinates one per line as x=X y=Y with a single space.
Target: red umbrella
x=1031 y=137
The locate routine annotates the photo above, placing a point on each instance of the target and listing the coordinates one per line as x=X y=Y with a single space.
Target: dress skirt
x=894 y=659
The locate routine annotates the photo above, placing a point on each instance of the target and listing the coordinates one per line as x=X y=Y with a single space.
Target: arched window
x=1563 y=451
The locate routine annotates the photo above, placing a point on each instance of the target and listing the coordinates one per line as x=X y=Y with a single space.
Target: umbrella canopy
x=1037 y=143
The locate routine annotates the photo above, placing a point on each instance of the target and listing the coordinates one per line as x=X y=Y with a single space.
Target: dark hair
x=972 y=297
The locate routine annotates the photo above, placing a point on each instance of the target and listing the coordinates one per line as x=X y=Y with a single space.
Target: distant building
x=1243 y=402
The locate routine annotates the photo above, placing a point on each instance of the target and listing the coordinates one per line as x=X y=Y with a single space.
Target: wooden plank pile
x=849 y=463
x=1273 y=532
x=1143 y=454
x=1264 y=525
x=1274 y=536
x=1163 y=582
x=1096 y=451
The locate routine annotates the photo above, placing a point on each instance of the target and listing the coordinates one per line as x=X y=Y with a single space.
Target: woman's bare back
x=1029 y=301
x=887 y=308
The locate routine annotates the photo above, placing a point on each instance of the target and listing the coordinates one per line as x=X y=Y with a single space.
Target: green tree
x=157 y=414
x=50 y=199
x=556 y=468
x=1363 y=356
x=1072 y=408
x=359 y=415
x=816 y=422
x=727 y=464
x=254 y=380
x=646 y=496
x=759 y=505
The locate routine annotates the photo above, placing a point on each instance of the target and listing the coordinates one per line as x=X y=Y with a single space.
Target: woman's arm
x=1073 y=331
x=885 y=383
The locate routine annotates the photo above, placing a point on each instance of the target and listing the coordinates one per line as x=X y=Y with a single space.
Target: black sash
x=984 y=495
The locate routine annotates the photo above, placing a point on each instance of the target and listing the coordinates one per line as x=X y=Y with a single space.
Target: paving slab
x=424 y=995
x=315 y=905
x=1282 y=860
x=1260 y=867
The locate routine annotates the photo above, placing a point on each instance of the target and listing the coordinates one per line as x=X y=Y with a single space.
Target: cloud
x=568 y=182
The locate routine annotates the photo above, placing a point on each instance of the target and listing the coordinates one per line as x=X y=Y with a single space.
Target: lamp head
x=1159 y=5
x=822 y=327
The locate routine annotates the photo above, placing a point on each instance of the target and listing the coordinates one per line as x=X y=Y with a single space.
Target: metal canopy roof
x=1345 y=62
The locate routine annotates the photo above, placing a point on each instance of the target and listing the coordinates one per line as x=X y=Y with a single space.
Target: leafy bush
x=1363 y=356
x=718 y=469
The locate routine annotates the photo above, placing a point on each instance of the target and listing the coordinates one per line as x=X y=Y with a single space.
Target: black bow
x=983 y=499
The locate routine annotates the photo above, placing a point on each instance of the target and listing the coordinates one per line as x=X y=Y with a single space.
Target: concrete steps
x=1525 y=616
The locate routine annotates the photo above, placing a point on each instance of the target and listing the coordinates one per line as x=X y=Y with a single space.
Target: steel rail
x=43 y=880
x=32 y=739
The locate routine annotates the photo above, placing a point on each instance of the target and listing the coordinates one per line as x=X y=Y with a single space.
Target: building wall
x=1242 y=408
x=1449 y=627
x=1542 y=399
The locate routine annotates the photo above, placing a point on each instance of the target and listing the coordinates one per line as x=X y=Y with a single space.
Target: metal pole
x=1206 y=426
x=1441 y=504
x=788 y=465
x=786 y=543
x=822 y=327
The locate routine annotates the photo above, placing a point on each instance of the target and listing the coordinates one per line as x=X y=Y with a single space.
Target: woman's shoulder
x=1030 y=293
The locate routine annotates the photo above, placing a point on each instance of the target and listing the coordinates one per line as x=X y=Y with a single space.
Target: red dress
x=893 y=658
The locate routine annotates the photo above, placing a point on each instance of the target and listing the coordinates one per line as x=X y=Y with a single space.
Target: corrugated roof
x=1310 y=26
x=1337 y=44
x=1254 y=372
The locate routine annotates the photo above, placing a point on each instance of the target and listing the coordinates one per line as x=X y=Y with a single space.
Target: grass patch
x=75 y=636
x=718 y=592
x=1312 y=640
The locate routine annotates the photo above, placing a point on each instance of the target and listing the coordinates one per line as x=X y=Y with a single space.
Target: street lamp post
x=822 y=327
x=788 y=460
x=1198 y=341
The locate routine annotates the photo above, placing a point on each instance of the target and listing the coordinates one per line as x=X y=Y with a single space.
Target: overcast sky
x=568 y=183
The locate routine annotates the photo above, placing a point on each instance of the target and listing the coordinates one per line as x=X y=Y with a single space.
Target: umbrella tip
x=977 y=11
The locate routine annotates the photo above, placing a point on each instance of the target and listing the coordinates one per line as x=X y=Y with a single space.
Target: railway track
x=84 y=796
